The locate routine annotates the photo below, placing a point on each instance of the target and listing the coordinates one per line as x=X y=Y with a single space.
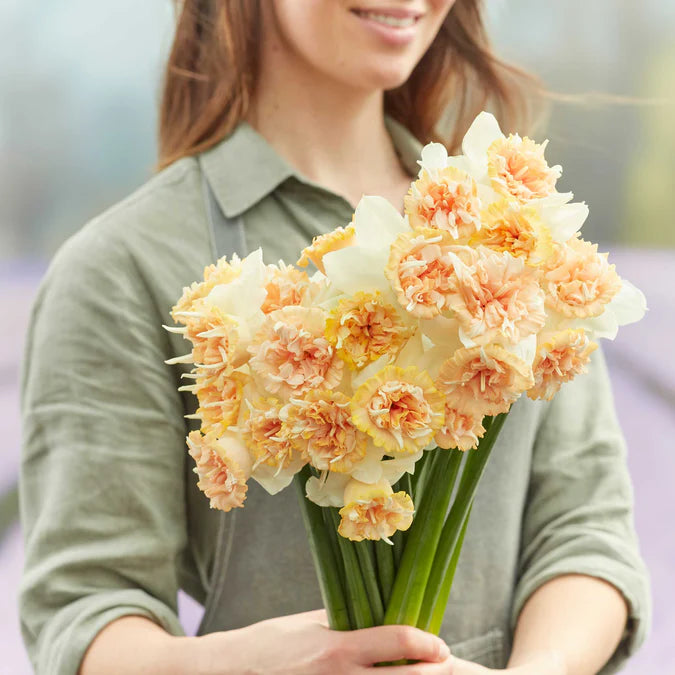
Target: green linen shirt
x=114 y=524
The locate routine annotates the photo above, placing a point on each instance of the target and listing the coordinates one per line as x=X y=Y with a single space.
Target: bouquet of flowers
x=379 y=384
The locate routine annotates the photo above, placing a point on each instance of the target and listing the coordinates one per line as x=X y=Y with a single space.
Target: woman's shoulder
x=141 y=252
x=161 y=223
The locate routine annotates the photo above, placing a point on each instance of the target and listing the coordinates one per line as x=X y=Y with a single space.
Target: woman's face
x=367 y=44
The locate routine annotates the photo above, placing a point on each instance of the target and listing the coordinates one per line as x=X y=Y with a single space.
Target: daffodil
x=374 y=511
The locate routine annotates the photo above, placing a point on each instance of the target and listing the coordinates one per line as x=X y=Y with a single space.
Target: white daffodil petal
x=486 y=194
x=273 y=479
x=552 y=200
x=564 y=220
x=603 y=326
x=629 y=304
x=369 y=469
x=393 y=469
x=355 y=269
x=480 y=136
x=371 y=369
x=377 y=223
x=412 y=352
x=434 y=157
x=328 y=492
x=244 y=295
x=459 y=162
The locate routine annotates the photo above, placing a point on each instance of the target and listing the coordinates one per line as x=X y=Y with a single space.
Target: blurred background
x=79 y=85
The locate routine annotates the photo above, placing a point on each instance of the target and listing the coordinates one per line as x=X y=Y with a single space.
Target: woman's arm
x=570 y=625
x=300 y=644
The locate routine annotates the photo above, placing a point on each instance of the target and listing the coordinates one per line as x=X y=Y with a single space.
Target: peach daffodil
x=220 y=395
x=579 y=282
x=514 y=166
x=399 y=408
x=374 y=511
x=496 y=299
x=484 y=380
x=516 y=229
x=461 y=430
x=421 y=270
x=285 y=286
x=445 y=199
x=560 y=357
x=291 y=355
x=320 y=426
x=223 y=465
x=364 y=327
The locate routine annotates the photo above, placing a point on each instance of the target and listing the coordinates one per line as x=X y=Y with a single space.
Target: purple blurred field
x=643 y=375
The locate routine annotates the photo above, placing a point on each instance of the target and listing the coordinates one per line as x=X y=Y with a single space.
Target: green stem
x=418 y=555
x=364 y=552
x=471 y=475
x=325 y=565
x=355 y=588
x=444 y=592
x=399 y=545
x=420 y=476
x=386 y=569
x=332 y=535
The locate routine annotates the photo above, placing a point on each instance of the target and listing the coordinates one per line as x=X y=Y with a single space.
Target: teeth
x=396 y=22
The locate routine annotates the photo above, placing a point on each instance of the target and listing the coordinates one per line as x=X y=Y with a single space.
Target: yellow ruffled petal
x=399 y=408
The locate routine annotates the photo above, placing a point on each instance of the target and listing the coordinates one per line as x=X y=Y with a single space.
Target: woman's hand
x=303 y=644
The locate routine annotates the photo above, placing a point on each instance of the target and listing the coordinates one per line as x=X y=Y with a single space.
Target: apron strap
x=227 y=237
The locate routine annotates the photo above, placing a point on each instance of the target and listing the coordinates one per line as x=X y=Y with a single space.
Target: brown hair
x=211 y=73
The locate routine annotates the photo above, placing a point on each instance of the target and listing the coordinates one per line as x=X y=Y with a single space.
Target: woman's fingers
x=392 y=643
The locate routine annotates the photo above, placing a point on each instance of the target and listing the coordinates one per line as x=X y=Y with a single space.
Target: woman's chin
x=385 y=77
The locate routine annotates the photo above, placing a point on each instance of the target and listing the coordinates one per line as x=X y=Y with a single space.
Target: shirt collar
x=244 y=168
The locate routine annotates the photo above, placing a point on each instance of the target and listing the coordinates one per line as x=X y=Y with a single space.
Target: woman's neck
x=330 y=133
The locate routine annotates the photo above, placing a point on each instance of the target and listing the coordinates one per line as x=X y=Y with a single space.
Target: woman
x=277 y=116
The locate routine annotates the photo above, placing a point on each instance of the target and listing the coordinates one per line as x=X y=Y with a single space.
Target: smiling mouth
x=390 y=18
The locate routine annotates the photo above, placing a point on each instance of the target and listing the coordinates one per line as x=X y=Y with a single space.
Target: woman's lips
x=394 y=26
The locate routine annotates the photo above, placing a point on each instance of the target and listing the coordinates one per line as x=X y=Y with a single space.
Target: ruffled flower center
x=461 y=430
x=518 y=168
x=219 y=397
x=484 y=380
x=559 y=359
x=399 y=408
x=449 y=201
x=265 y=434
x=221 y=477
x=374 y=512
x=578 y=281
x=420 y=270
x=320 y=427
x=497 y=297
x=364 y=327
x=515 y=229
x=285 y=286
x=291 y=354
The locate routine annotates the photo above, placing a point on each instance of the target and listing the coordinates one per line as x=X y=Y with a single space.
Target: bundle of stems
x=371 y=583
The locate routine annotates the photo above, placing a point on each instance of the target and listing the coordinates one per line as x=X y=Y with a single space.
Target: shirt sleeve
x=579 y=513
x=102 y=484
